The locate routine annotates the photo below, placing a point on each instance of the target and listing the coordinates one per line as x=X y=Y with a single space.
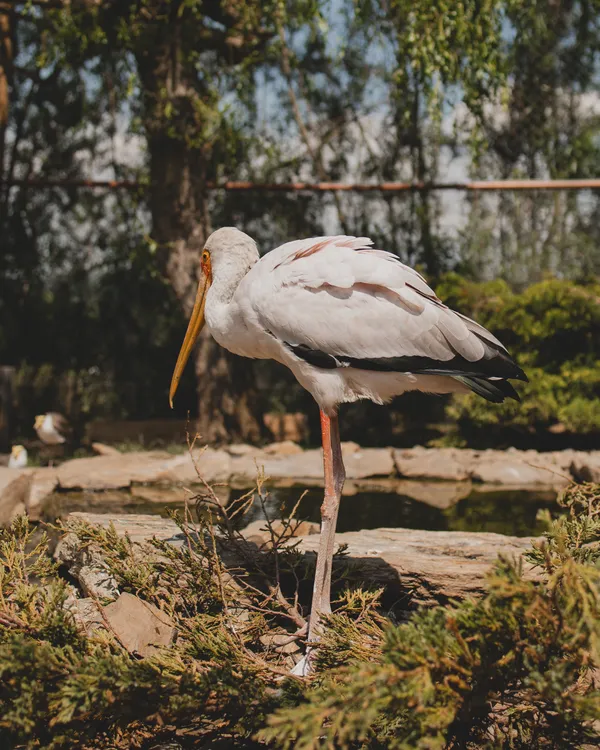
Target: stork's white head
x=39 y=421
x=227 y=257
x=229 y=252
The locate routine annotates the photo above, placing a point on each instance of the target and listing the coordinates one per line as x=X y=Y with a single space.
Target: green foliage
x=62 y=688
x=378 y=87
x=513 y=669
x=553 y=330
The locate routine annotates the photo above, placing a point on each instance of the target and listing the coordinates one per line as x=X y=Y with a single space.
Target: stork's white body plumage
x=351 y=322
x=329 y=300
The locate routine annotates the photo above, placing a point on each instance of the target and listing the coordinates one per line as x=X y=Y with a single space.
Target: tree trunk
x=228 y=404
x=6 y=62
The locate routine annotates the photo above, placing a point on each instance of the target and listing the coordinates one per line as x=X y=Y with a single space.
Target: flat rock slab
x=112 y=472
x=140 y=626
x=427 y=566
x=121 y=471
x=423 y=567
x=139 y=527
x=511 y=467
x=239 y=464
x=439 y=463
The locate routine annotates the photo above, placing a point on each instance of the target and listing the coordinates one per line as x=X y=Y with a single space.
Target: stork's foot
x=306 y=665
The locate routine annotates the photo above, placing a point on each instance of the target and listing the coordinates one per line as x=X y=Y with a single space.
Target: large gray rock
x=305 y=465
x=112 y=472
x=516 y=471
x=369 y=462
x=511 y=467
x=308 y=465
x=139 y=527
x=25 y=491
x=120 y=471
x=286 y=462
x=451 y=464
x=424 y=567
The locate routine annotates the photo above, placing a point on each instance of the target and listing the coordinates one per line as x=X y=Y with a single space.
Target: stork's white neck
x=228 y=269
x=232 y=255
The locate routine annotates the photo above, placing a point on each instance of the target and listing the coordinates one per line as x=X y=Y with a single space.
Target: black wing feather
x=488 y=377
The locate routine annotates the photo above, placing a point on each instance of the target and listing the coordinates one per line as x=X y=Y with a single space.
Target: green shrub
x=516 y=668
x=553 y=330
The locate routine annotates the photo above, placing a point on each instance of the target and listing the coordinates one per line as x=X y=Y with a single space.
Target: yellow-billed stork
x=351 y=322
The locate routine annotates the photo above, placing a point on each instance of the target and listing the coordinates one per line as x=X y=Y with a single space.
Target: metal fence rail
x=326 y=187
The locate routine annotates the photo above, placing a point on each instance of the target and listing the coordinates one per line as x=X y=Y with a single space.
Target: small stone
x=105 y=450
x=280 y=642
x=87 y=566
x=240 y=449
x=87 y=614
x=140 y=626
x=284 y=448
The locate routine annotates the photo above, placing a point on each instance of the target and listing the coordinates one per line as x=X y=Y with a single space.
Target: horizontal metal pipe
x=325 y=187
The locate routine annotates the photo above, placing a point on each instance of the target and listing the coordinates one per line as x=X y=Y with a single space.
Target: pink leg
x=334 y=481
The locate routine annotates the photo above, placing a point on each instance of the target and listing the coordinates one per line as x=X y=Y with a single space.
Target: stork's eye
x=205 y=256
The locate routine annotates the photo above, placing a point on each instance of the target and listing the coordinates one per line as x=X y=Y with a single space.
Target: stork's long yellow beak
x=193 y=329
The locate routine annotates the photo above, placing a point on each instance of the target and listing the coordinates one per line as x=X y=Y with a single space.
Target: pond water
x=461 y=508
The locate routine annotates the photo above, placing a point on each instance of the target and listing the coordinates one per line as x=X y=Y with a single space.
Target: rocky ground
x=418 y=567
x=445 y=474
x=423 y=566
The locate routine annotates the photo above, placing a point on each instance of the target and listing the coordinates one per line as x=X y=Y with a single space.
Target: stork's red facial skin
x=205 y=265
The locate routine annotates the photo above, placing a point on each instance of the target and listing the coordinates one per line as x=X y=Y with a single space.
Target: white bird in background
x=351 y=322
x=18 y=457
x=52 y=428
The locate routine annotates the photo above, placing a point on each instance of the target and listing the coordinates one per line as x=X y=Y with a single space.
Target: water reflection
x=512 y=512
x=441 y=507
